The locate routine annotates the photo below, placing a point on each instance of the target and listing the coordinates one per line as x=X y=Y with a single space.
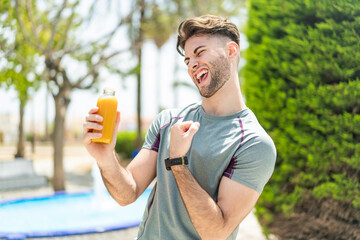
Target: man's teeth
x=198 y=76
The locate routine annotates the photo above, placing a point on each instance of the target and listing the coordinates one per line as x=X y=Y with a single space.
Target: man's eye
x=200 y=52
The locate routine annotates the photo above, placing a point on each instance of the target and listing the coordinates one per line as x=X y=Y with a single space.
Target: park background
x=299 y=71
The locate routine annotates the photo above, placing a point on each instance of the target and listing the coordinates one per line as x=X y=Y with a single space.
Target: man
x=211 y=160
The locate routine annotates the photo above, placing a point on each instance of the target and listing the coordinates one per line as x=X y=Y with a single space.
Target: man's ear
x=233 y=49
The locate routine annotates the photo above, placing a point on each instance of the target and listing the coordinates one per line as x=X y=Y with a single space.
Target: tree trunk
x=139 y=127
x=175 y=87
x=47 y=137
x=139 y=44
x=62 y=100
x=158 y=80
x=20 y=153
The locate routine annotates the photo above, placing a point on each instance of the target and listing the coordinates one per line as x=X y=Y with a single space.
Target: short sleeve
x=253 y=163
x=152 y=138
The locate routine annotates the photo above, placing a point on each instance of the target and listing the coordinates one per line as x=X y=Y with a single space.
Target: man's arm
x=212 y=220
x=124 y=185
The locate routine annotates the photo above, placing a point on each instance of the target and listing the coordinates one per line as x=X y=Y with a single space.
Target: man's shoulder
x=171 y=115
x=255 y=134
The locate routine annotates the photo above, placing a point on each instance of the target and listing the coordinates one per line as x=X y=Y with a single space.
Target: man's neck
x=228 y=100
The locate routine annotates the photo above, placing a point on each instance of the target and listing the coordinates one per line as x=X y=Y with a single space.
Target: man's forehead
x=194 y=42
x=203 y=40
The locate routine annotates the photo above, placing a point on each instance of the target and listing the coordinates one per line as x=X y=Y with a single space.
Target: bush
x=302 y=80
x=126 y=144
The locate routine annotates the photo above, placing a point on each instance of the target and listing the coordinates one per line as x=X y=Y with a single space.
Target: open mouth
x=201 y=76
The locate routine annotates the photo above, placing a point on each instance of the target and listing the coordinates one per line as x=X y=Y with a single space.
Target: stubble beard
x=220 y=74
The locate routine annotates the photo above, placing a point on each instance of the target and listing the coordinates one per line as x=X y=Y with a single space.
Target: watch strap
x=175 y=161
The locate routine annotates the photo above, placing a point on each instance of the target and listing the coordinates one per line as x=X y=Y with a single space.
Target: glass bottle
x=107 y=104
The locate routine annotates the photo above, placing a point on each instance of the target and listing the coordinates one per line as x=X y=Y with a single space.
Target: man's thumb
x=193 y=128
x=116 y=126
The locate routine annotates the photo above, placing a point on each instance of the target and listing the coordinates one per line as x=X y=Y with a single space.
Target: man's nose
x=193 y=65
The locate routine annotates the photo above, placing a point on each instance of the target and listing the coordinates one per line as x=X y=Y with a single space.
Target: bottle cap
x=109 y=90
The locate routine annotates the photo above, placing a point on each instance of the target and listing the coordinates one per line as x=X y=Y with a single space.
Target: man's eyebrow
x=195 y=50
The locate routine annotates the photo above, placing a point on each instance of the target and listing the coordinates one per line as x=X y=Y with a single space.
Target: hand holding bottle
x=100 y=127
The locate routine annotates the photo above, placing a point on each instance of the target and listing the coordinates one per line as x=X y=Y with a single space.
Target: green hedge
x=302 y=80
x=126 y=144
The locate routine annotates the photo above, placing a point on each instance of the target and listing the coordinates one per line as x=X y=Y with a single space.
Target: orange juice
x=107 y=105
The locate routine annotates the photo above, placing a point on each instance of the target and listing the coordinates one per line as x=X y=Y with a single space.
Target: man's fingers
x=94 y=110
x=91 y=123
x=91 y=126
x=88 y=136
x=181 y=137
x=194 y=127
x=189 y=127
x=94 y=118
x=117 y=120
x=184 y=126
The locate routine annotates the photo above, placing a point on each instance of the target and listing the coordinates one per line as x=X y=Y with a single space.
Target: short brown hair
x=207 y=24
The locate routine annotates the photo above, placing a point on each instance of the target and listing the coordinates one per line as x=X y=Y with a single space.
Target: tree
x=302 y=80
x=51 y=29
x=159 y=27
x=19 y=70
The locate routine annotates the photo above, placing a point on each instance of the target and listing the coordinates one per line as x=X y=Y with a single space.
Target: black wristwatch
x=175 y=161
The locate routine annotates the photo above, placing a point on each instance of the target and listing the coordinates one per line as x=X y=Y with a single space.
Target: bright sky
x=82 y=101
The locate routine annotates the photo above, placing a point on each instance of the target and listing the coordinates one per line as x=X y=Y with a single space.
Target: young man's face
x=208 y=64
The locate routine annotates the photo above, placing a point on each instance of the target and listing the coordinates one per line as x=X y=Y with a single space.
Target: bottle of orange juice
x=107 y=105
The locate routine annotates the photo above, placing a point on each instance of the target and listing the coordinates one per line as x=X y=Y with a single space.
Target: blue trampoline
x=67 y=214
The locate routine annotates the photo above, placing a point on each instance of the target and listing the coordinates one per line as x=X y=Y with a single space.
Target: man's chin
x=206 y=94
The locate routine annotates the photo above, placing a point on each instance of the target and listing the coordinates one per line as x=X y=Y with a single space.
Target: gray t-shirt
x=233 y=146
